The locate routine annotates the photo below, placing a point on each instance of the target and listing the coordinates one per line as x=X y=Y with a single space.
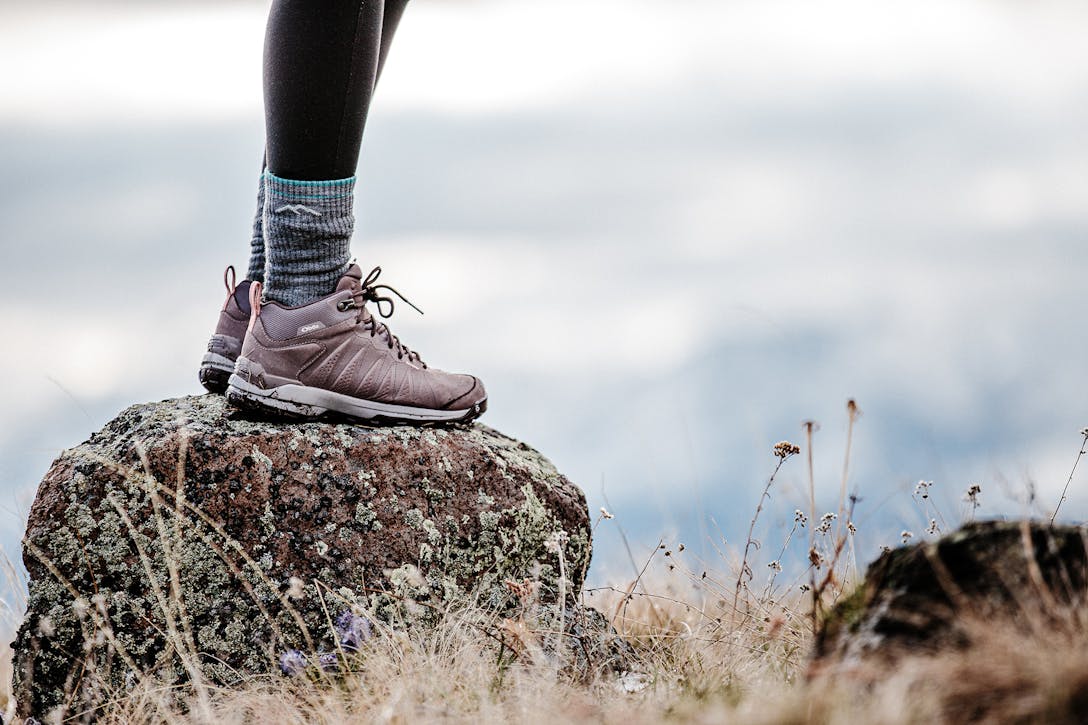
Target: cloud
x=663 y=236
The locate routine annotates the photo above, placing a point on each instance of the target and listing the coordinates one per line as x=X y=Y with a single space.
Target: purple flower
x=293 y=662
x=353 y=630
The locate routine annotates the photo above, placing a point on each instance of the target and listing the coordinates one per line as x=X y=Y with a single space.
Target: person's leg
x=321 y=61
x=320 y=64
x=393 y=10
x=312 y=345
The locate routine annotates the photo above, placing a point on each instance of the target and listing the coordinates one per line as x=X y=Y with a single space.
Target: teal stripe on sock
x=302 y=190
x=312 y=184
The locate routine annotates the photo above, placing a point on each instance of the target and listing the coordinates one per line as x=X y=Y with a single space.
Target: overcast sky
x=663 y=233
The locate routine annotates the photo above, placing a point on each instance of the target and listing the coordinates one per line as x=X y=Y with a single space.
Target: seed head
x=825 y=523
x=785 y=449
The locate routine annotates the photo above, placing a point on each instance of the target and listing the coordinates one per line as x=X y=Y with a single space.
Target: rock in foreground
x=932 y=596
x=182 y=541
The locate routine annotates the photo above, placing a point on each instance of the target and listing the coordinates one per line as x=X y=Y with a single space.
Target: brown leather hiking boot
x=333 y=355
x=226 y=344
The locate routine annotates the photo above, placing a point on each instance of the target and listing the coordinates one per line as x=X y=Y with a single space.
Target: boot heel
x=247 y=396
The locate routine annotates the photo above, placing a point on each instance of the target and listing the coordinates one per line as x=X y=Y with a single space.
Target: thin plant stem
x=852 y=413
x=751 y=528
x=769 y=589
x=1068 y=481
x=813 y=555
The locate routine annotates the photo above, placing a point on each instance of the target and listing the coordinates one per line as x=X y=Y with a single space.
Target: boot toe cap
x=465 y=392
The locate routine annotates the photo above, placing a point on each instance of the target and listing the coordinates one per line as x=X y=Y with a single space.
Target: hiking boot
x=333 y=355
x=226 y=344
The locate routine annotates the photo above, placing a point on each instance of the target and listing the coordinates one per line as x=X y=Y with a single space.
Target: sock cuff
x=295 y=189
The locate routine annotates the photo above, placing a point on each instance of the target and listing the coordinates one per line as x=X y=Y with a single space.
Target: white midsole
x=328 y=400
x=219 y=362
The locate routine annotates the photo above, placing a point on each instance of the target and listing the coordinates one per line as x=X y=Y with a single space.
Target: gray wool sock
x=307 y=235
x=256 y=243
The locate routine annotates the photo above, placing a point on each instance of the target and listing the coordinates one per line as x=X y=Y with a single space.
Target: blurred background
x=664 y=234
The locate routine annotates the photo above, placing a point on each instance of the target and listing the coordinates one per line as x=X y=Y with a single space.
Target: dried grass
x=708 y=647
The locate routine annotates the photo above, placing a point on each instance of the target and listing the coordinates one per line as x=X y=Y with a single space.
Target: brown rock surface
x=929 y=597
x=183 y=540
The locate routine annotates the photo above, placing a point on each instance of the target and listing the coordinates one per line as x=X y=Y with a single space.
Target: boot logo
x=310 y=327
x=298 y=209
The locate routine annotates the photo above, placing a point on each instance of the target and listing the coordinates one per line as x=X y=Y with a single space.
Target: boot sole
x=215 y=372
x=300 y=402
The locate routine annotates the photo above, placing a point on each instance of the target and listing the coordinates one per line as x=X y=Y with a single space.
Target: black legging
x=322 y=59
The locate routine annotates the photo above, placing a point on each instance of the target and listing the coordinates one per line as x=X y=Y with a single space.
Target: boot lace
x=368 y=292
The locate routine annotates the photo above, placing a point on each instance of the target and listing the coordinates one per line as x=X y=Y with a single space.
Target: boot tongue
x=351 y=279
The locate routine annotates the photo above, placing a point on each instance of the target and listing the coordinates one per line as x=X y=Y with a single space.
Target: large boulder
x=183 y=541
x=940 y=595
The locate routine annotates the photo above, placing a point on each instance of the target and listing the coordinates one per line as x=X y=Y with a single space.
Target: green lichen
x=268 y=521
x=434 y=536
x=367 y=517
x=261 y=458
x=489 y=521
x=847 y=614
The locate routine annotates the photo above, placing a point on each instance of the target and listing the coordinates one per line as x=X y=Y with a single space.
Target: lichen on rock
x=184 y=541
